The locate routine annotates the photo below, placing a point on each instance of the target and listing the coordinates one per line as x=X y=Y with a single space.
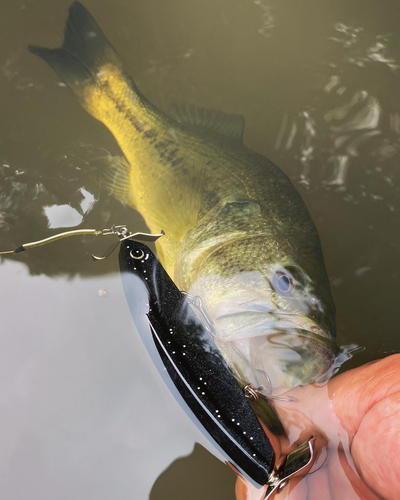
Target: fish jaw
x=274 y=368
x=272 y=349
x=237 y=326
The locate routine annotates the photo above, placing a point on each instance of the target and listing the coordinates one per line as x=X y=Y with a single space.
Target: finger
x=311 y=414
x=296 y=490
x=244 y=490
x=344 y=482
x=318 y=485
x=355 y=392
x=346 y=398
x=375 y=447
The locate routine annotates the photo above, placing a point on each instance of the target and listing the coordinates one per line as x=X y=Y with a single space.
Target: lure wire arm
x=56 y=237
x=120 y=231
x=148 y=237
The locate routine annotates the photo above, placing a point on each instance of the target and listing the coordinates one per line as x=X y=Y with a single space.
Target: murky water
x=83 y=412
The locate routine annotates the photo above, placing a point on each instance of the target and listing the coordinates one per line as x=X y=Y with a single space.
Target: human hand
x=356 y=419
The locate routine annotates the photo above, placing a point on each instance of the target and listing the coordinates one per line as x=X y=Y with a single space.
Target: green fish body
x=237 y=233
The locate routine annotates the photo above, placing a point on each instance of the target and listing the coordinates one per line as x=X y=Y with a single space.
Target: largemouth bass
x=237 y=233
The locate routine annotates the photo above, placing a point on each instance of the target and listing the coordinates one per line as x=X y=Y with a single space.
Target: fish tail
x=89 y=64
x=149 y=176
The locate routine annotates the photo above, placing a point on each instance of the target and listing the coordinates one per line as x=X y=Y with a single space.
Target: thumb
x=367 y=401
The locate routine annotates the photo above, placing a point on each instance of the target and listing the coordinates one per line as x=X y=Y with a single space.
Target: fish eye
x=283 y=283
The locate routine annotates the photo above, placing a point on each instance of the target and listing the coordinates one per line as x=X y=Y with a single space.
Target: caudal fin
x=84 y=51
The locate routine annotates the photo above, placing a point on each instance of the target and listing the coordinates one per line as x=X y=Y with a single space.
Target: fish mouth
x=290 y=348
x=242 y=325
x=252 y=320
x=326 y=342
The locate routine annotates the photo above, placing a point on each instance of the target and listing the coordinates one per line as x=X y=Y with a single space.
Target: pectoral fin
x=116 y=178
x=177 y=199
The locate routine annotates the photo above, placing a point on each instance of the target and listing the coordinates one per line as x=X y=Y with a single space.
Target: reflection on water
x=197 y=476
x=266 y=17
x=365 y=48
x=319 y=88
x=79 y=400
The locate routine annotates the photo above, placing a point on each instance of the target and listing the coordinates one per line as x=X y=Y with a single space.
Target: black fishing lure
x=196 y=366
x=200 y=373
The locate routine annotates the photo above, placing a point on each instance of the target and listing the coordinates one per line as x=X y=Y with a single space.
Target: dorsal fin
x=231 y=126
